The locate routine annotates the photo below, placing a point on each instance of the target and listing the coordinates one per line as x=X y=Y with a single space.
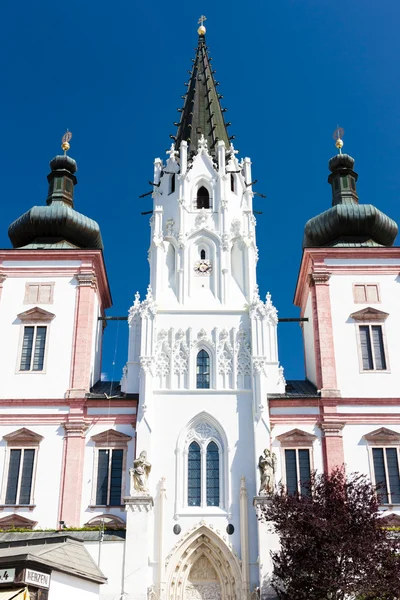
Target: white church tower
x=203 y=356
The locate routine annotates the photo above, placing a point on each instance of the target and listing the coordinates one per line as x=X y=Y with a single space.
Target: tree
x=333 y=545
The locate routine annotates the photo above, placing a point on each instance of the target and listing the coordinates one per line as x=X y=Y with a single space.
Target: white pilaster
x=138 y=509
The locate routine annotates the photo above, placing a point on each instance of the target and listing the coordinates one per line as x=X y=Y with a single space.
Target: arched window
x=172 y=184
x=194 y=475
x=232 y=182
x=203 y=370
x=203 y=198
x=212 y=480
x=202 y=254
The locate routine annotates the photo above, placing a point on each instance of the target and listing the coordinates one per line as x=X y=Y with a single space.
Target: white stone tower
x=202 y=356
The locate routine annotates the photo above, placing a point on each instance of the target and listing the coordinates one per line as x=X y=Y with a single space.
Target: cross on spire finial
x=202 y=19
x=202 y=30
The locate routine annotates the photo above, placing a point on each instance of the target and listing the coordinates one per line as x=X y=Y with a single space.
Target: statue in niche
x=267 y=468
x=139 y=475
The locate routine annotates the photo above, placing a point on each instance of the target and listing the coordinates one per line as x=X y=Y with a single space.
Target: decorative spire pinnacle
x=66 y=138
x=337 y=135
x=202 y=30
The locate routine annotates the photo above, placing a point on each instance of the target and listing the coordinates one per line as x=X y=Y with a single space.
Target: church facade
x=163 y=474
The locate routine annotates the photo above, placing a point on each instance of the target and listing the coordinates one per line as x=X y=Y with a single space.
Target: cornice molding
x=23 y=437
x=369 y=314
x=382 y=436
x=296 y=437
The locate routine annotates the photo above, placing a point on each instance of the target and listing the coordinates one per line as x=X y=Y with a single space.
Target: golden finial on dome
x=202 y=30
x=65 y=141
x=337 y=135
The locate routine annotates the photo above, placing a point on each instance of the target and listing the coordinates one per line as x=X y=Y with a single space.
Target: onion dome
x=348 y=223
x=57 y=225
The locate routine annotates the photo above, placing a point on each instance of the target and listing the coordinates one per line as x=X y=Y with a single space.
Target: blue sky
x=114 y=73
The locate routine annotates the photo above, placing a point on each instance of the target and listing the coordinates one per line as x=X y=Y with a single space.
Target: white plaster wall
x=54 y=380
x=308 y=340
x=111 y=563
x=351 y=382
x=172 y=414
x=48 y=473
x=63 y=586
x=88 y=471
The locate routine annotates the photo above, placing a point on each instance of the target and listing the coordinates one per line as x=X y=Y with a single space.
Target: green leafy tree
x=333 y=545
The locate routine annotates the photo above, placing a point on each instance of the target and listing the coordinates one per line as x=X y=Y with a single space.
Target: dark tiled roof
x=42 y=537
x=297 y=388
x=109 y=390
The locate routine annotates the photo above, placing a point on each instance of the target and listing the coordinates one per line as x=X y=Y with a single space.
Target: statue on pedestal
x=267 y=468
x=139 y=475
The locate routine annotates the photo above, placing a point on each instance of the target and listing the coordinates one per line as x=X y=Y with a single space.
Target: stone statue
x=267 y=468
x=139 y=475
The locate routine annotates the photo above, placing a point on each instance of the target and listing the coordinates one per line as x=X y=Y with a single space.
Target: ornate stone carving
x=225 y=353
x=163 y=354
x=146 y=363
x=201 y=220
x=181 y=353
x=169 y=226
x=148 y=308
x=225 y=241
x=259 y=363
x=236 y=227
x=203 y=570
x=203 y=591
x=134 y=309
x=243 y=354
x=260 y=310
x=281 y=377
x=267 y=468
x=139 y=475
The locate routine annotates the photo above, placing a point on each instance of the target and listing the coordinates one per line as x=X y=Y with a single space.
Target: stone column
x=267 y=541
x=244 y=537
x=332 y=445
x=72 y=473
x=136 y=566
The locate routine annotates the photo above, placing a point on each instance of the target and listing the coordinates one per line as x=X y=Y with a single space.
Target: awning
x=21 y=594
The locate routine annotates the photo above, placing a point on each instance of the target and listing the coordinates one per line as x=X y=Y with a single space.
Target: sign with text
x=7 y=575
x=36 y=578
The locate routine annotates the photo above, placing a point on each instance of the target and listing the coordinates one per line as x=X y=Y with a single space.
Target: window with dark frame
x=194 y=475
x=232 y=182
x=386 y=473
x=212 y=474
x=33 y=348
x=203 y=370
x=20 y=476
x=109 y=477
x=372 y=348
x=298 y=470
x=172 y=184
x=202 y=254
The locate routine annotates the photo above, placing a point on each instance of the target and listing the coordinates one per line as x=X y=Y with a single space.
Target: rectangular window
x=33 y=348
x=298 y=470
x=20 y=474
x=109 y=477
x=39 y=293
x=366 y=293
x=372 y=348
x=387 y=476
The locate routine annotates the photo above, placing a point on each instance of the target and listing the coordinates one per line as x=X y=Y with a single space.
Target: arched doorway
x=203 y=582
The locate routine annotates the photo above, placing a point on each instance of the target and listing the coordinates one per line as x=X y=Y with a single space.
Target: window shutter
x=116 y=477
x=372 y=293
x=393 y=474
x=45 y=293
x=366 y=352
x=305 y=473
x=291 y=471
x=194 y=475
x=40 y=343
x=380 y=476
x=379 y=353
x=102 y=478
x=359 y=293
x=26 y=476
x=26 y=353
x=212 y=480
x=13 y=474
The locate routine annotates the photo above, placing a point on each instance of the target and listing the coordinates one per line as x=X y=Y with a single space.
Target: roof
x=109 y=390
x=202 y=113
x=297 y=388
x=35 y=537
x=64 y=554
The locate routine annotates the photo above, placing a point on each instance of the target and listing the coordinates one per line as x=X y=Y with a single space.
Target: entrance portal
x=203 y=582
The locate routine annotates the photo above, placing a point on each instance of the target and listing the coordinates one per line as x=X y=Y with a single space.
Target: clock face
x=203 y=267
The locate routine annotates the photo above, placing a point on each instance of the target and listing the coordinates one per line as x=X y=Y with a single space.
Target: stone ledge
x=138 y=503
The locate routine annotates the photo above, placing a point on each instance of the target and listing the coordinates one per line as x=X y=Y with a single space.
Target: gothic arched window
x=202 y=254
x=203 y=198
x=232 y=182
x=212 y=480
x=203 y=370
x=172 y=184
x=194 y=475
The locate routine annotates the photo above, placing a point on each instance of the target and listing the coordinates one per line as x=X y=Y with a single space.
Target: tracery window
x=203 y=370
x=203 y=475
x=212 y=482
x=194 y=475
x=203 y=198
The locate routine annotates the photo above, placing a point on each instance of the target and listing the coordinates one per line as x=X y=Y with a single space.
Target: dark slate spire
x=202 y=113
x=56 y=225
x=348 y=223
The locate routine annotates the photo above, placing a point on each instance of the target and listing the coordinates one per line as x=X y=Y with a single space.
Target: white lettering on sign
x=7 y=575
x=37 y=578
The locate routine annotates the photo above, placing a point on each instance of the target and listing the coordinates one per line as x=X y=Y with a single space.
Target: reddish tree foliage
x=333 y=546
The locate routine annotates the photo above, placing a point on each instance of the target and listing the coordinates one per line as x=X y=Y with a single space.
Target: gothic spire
x=202 y=113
